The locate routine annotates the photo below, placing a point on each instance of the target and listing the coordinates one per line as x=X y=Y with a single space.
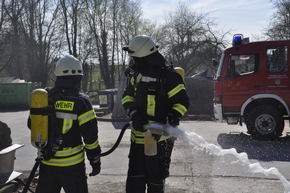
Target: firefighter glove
x=173 y=121
x=96 y=166
x=138 y=122
x=131 y=111
x=156 y=137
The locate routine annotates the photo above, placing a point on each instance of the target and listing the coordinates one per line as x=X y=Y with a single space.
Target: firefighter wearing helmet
x=155 y=93
x=73 y=131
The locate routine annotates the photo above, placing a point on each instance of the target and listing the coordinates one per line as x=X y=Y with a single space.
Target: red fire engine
x=252 y=86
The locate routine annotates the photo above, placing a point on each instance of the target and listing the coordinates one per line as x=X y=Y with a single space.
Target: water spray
x=198 y=141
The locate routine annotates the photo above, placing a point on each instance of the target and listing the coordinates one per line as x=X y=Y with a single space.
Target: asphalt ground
x=199 y=164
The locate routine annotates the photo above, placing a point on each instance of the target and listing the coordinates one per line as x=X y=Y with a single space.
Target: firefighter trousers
x=72 y=179
x=148 y=171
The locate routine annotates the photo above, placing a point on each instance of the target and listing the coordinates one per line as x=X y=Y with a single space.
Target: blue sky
x=249 y=17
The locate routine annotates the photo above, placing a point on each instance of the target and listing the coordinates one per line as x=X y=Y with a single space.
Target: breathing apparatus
x=180 y=71
x=39 y=118
x=39 y=112
x=44 y=133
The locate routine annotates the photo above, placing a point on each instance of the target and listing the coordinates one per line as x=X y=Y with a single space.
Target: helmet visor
x=126 y=48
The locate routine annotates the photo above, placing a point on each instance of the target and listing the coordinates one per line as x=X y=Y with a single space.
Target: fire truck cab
x=252 y=86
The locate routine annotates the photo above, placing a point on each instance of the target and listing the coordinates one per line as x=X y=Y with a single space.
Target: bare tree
x=191 y=41
x=71 y=11
x=38 y=28
x=14 y=10
x=279 y=25
x=5 y=56
x=96 y=17
x=29 y=39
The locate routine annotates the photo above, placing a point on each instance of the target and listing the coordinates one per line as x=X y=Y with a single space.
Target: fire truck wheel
x=265 y=122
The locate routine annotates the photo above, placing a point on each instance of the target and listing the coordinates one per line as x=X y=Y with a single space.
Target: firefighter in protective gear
x=75 y=132
x=155 y=93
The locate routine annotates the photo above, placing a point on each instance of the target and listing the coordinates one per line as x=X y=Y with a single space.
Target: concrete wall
x=200 y=91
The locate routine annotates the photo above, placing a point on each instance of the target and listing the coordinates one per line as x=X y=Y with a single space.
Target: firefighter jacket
x=158 y=99
x=75 y=124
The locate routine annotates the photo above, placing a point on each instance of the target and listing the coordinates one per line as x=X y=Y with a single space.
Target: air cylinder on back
x=39 y=121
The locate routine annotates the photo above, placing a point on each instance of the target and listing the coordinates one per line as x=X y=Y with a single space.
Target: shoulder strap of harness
x=55 y=135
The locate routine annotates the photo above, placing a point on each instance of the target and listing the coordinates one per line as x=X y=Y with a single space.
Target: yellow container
x=150 y=145
x=39 y=123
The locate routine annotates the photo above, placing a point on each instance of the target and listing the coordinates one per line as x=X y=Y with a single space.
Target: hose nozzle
x=164 y=129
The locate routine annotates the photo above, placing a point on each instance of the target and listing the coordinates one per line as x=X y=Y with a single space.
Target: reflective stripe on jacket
x=77 y=122
x=155 y=99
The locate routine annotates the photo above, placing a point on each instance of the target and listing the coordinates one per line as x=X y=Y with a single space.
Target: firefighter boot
x=135 y=184
x=155 y=188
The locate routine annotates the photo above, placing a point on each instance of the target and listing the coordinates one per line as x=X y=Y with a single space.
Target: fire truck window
x=277 y=60
x=243 y=65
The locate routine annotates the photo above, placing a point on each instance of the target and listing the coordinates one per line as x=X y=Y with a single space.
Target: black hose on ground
x=117 y=142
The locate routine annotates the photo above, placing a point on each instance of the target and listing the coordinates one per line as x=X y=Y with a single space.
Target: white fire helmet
x=141 y=46
x=68 y=66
